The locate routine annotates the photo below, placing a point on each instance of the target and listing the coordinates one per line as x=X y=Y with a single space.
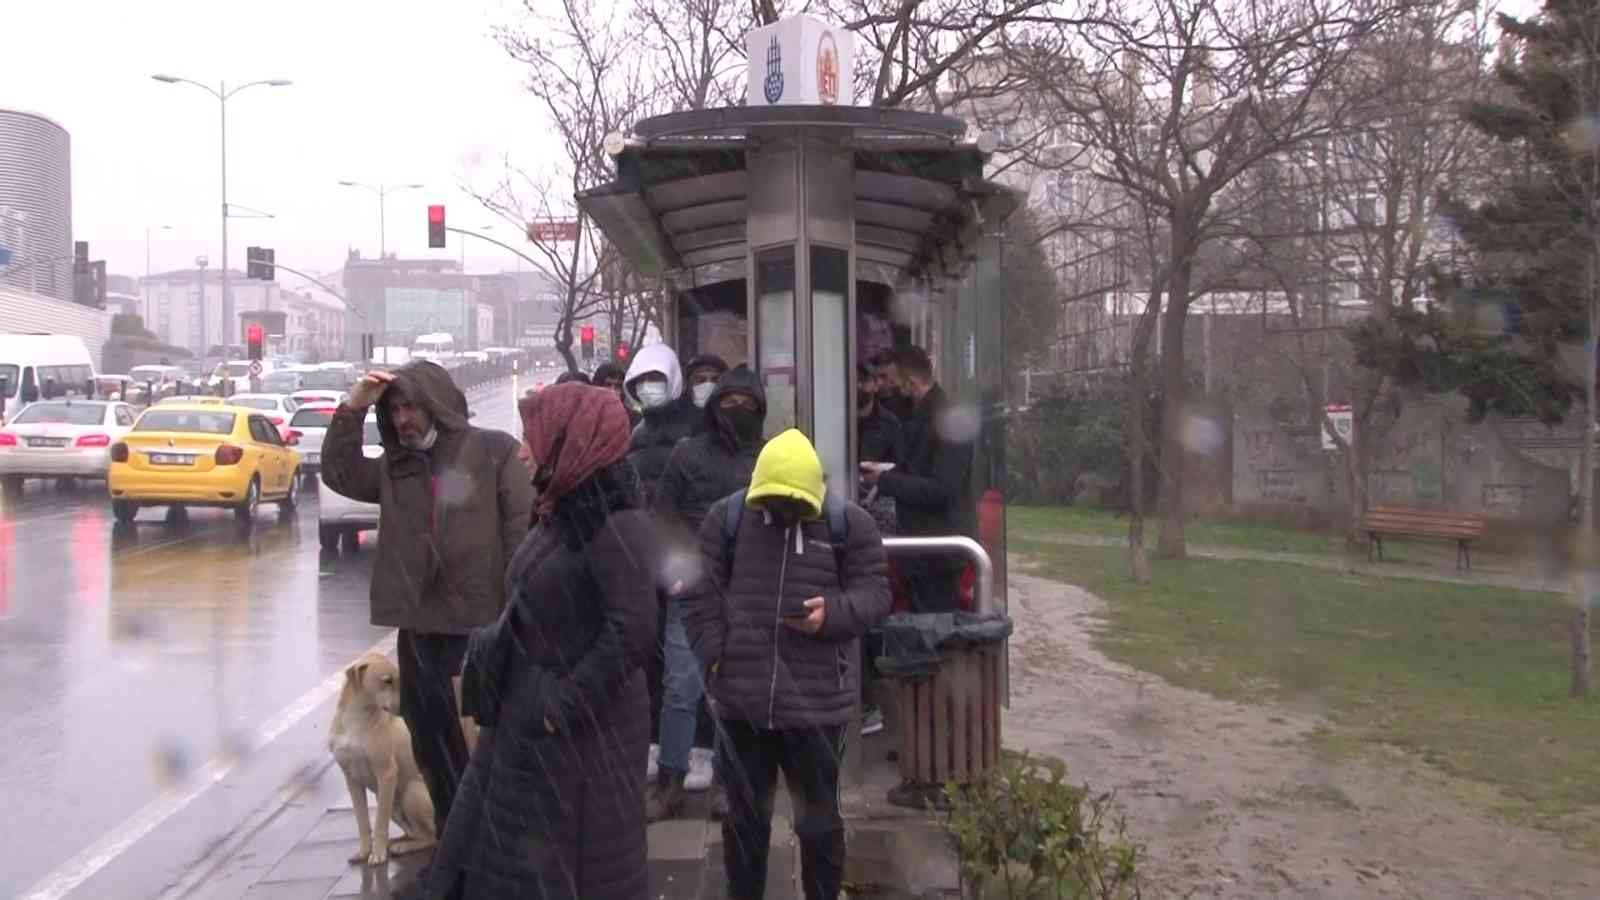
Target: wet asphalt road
x=129 y=658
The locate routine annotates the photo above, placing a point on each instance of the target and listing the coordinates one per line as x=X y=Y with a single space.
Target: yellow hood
x=788 y=467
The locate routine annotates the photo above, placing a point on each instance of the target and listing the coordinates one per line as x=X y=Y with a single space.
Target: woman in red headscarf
x=552 y=805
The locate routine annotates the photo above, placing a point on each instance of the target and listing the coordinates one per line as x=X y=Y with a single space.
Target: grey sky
x=395 y=90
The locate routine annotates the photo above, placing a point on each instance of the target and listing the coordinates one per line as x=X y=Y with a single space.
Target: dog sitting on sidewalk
x=373 y=747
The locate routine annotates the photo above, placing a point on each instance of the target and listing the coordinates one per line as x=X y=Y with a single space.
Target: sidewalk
x=298 y=849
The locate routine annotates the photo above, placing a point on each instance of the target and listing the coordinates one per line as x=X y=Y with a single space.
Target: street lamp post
x=222 y=93
x=383 y=191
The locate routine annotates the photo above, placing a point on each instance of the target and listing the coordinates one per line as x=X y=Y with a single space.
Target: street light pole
x=222 y=94
x=383 y=191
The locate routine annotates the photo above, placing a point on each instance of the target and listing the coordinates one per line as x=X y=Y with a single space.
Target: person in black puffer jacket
x=655 y=384
x=703 y=469
x=774 y=621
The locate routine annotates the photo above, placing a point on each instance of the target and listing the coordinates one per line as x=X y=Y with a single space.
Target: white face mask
x=424 y=443
x=651 y=394
x=702 y=393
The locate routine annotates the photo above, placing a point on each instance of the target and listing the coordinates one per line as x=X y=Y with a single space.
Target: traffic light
x=586 y=338
x=622 y=350
x=436 y=226
x=259 y=262
x=254 y=335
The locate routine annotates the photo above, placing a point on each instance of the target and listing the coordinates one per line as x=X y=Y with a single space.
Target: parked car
x=301 y=398
x=61 y=439
x=200 y=454
x=341 y=518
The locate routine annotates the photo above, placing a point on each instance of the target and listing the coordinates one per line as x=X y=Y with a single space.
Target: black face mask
x=744 y=423
x=786 y=510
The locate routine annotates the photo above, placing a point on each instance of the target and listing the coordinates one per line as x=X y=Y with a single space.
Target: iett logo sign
x=772 y=85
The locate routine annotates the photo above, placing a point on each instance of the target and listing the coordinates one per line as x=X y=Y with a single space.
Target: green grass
x=1471 y=680
x=1040 y=521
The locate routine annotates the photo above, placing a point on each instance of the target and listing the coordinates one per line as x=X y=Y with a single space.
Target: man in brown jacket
x=454 y=503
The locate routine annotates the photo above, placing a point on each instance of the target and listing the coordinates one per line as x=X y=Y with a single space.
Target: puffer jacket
x=450 y=516
x=544 y=814
x=713 y=464
x=760 y=670
x=663 y=426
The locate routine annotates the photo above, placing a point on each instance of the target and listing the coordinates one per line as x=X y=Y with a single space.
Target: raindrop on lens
x=959 y=425
x=1201 y=435
x=172 y=762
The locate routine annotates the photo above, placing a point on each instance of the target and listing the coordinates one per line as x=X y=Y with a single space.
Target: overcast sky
x=384 y=90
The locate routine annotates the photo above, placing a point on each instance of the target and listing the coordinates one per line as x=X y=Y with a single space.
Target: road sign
x=552 y=230
x=1344 y=420
x=255 y=368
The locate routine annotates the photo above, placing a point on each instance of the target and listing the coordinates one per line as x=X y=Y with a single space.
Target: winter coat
x=662 y=427
x=931 y=482
x=713 y=464
x=762 y=671
x=450 y=516
x=879 y=435
x=560 y=814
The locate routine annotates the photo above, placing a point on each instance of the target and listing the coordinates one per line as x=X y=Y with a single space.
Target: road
x=142 y=669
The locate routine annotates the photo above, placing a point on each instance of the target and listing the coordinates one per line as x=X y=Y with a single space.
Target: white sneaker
x=654 y=765
x=700 y=770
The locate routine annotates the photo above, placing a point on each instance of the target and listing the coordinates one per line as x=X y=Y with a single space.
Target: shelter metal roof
x=680 y=198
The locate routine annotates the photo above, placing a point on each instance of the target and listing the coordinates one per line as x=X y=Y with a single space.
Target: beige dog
x=372 y=745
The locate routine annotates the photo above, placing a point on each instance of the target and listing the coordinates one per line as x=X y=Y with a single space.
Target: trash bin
x=947 y=669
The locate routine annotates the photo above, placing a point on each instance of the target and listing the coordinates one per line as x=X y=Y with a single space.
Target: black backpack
x=834 y=510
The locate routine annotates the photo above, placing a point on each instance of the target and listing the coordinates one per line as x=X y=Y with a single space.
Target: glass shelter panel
x=830 y=363
x=775 y=337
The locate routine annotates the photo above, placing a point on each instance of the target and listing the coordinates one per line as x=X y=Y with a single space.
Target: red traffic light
x=622 y=350
x=586 y=334
x=254 y=334
x=436 y=215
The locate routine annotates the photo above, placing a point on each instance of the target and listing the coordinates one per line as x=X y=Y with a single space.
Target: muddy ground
x=1237 y=801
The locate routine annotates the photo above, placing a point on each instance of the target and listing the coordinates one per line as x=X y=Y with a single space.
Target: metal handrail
x=983 y=591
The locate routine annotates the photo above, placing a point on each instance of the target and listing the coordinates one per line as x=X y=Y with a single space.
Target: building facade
x=184 y=308
x=36 y=204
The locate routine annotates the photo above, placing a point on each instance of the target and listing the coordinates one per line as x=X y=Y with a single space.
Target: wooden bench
x=1463 y=528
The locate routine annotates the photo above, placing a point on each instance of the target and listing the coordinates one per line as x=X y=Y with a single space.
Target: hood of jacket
x=657 y=358
x=737 y=380
x=788 y=467
x=429 y=386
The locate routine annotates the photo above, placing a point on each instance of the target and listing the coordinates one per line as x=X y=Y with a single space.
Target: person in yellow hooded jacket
x=794 y=575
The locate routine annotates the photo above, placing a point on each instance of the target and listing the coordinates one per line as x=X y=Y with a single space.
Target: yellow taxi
x=202 y=454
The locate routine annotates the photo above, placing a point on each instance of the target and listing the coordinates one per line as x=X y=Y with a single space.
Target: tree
x=1178 y=101
x=586 y=68
x=1527 y=285
x=1353 y=220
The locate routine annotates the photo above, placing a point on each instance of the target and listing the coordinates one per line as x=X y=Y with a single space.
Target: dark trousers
x=809 y=758
x=428 y=704
x=934 y=584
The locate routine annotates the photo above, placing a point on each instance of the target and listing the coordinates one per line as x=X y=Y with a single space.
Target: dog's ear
x=354 y=673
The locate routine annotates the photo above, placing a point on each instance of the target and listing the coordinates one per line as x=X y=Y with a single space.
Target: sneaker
x=871 y=720
x=700 y=770
x=665 y=797
x=652 y=767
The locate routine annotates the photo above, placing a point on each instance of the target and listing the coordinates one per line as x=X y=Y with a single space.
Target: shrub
x=1025 y=833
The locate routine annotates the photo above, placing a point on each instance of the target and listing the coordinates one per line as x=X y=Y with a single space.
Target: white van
x=42 y=367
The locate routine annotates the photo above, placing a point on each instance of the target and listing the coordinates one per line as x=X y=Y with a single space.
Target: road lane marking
x=69 y=876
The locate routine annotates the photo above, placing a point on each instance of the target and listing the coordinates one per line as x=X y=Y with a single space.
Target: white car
x=278 y=408
x=309 y=425
x=337 y=515
x=312 y=395
x=61 y=439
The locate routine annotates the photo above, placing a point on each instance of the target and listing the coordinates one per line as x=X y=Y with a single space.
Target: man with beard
x=454 y=504
x=702 y=470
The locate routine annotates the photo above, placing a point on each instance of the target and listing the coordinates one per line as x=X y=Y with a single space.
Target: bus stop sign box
x=799 y=61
